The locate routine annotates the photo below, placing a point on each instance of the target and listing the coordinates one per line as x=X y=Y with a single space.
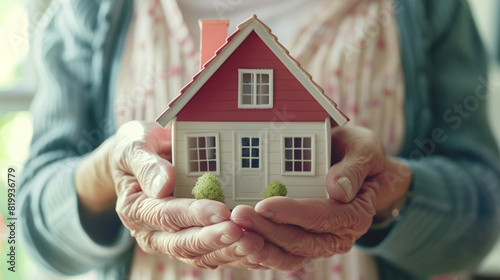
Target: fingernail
x=266 y=214
x=346 y=186
x=227 y=239
x=158 y=183
x=245 y=223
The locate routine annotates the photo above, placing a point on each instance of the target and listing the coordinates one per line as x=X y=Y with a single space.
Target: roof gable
x=246 y=28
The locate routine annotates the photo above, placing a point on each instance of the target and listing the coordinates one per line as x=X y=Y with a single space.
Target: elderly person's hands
x=363 y=182
x=131 y=172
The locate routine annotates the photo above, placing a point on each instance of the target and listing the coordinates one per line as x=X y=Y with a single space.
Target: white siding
x=309 y=186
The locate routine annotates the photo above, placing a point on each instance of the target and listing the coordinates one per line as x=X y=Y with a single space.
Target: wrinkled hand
x=132 y=170
x=318 y=228
x=309 y=228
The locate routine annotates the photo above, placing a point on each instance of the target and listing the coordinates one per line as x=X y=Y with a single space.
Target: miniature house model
x=251 y=115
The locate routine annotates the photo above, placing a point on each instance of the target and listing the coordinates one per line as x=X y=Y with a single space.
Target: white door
x=251 y=165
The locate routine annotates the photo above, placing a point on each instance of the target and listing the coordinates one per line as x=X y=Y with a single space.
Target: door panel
x=251 y=162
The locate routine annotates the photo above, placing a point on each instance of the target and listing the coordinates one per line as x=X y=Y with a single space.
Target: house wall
x=217 y=99
x=298 y=186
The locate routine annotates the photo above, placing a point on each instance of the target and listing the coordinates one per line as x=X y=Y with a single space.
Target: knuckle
x=331 y=245
x=201 y=262
x=325 y=220
x=168 y=221
x=145 y=241
x=260 y=256
x=180 y=247
x=176 y=246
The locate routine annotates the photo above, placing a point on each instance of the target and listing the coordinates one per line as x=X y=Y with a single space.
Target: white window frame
x=250 y=157
x=283 y=154
x=254 y=92
x=188 y=150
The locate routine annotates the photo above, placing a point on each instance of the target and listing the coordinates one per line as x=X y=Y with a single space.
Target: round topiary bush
x=275 y=188
x=208 y=187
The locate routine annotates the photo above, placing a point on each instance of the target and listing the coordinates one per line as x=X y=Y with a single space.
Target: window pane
x=212 y=165
x=264 y=89
x=254 y=86
x=247 y=89
x=247 y=100
x=245 y=141
x=297 y=166
x=245 y=152
x=247 y=78
x=201 y=142
x=192 y=143
x=265 y=78
x=297 y=142
x=297 y=157
x=255 y=152
x=255 y=142
x=193 y=154
x=307 y=142
x=307 y=166
x=297 y=154
x=203 y=154
x=203 y=166
x=255 y=163
x=245 y=163
x=307 y=154
x=264 y=100
x=211 y=154
x=210 y=142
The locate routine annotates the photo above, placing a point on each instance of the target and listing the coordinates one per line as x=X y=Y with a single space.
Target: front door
x=251 y=166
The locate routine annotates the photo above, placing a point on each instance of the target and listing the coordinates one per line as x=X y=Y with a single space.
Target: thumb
x=345 y=178
x=155 y=175
x=140 y=146
x=360 y=154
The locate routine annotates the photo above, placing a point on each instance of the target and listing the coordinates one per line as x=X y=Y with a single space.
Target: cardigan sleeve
x=452 y=218
x=67 y=123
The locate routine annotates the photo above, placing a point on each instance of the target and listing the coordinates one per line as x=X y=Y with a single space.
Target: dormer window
x=255 y=88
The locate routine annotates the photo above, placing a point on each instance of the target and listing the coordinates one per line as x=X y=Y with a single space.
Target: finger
x=248 y=244
x=273 y=257
x=170 y=214
x=143 y=155
x=155 y=174
x=361 y=154
x=192 y=242
x=292 y=239
x=322 y=215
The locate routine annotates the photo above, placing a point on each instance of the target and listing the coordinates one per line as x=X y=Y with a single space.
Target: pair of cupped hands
x=131 y=172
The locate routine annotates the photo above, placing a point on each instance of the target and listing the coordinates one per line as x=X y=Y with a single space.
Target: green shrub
x=208 y=187
x=275 y=188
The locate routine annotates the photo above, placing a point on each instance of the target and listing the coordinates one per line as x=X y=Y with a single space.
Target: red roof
x=338 y=115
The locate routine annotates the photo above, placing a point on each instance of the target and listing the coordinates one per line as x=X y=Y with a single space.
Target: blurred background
x=18 y=84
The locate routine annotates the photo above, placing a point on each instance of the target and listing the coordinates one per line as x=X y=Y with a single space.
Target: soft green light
x=14 y=43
